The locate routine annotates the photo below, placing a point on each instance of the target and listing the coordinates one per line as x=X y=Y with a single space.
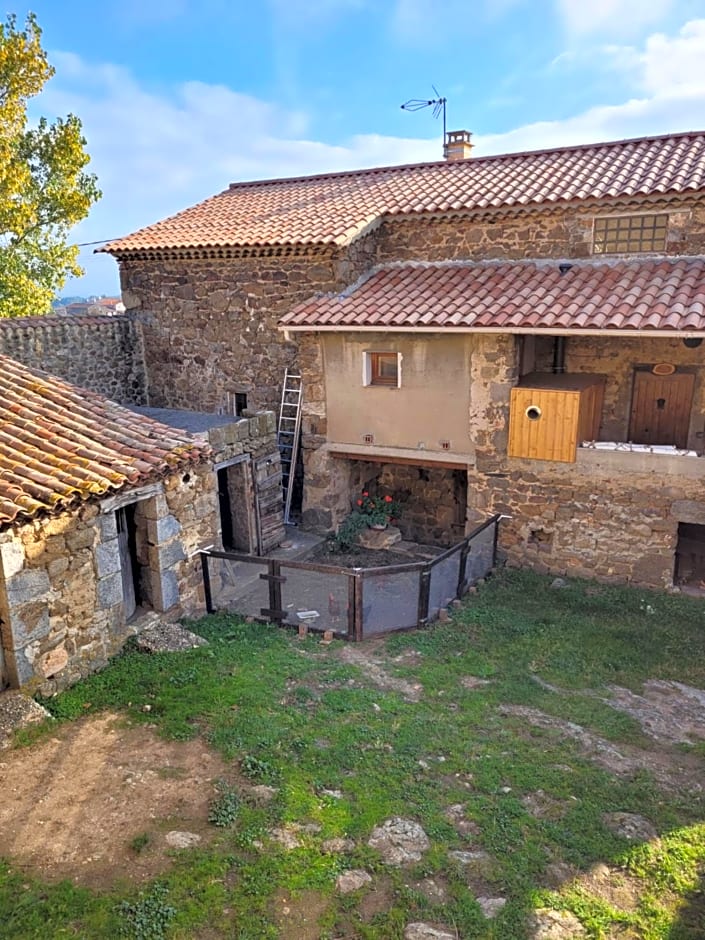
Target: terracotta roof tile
x=664 y=294
x=60 y=444
x=337 y=207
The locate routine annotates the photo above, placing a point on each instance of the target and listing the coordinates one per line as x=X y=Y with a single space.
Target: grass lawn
x=469 y=728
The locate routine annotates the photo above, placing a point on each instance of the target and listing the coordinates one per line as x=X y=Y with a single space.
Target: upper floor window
x=625 y=234
x=382 y=368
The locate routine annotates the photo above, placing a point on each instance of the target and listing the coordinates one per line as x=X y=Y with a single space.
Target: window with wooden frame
x=382 y=368
x=629 y=234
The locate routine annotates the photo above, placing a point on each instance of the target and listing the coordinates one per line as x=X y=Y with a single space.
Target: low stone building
x=463 y=328
x=102 y=515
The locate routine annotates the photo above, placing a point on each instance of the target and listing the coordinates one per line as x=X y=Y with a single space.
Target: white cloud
x=669 y=64
x=618 y=17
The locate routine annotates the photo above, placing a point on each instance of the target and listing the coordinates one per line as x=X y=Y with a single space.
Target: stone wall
x=61 y=596
x=103 y=354
x=612 y=523
x=529 y=233
x=210 y=326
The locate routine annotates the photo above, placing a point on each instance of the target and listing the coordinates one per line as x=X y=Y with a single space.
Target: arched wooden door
x=661 y=406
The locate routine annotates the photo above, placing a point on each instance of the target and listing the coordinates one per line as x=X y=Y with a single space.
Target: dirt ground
x=73 y=805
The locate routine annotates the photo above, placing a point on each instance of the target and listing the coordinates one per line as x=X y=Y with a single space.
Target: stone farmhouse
x=103 y=509
x=519 y=334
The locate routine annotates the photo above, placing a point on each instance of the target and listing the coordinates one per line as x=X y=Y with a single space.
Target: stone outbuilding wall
x=103 y=354
x=61 y=584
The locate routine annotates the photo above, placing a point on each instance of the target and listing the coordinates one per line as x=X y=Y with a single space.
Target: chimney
x=457 y=146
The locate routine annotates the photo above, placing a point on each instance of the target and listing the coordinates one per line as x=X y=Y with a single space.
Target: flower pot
x=379 y=526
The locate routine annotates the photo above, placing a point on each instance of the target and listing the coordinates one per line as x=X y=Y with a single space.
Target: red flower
x=365 y=493
x=387 y=499
x=359 y=502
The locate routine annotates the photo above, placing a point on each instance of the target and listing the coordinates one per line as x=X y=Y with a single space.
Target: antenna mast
x=438 y=104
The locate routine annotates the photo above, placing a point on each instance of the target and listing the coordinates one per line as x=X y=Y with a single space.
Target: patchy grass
x=343 y=755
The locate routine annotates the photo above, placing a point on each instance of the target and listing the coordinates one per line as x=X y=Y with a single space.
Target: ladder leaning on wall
x=289 y=435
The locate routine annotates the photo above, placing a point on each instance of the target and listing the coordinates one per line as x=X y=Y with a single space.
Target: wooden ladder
x=289 y=435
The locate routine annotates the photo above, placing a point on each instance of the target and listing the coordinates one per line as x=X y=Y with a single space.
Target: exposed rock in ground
x=543 y=806
x=672 y=769
x=630 y=826
x=182 y=840
x=420 y=931
x=474 y=682
x=261 y=794
x=546 y=924
x=456 y=816
x=377 y=675
x=399 y=841
x=336 y=846
x=352 y=880
x=432 y=889
x=168 y=638
x=490 y=907
x=17 y=711
x=668 y=711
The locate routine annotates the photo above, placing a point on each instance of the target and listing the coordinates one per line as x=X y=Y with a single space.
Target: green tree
x=44 y=189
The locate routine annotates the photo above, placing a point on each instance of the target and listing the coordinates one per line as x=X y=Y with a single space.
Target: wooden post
x=210 y=609
x=424 y=596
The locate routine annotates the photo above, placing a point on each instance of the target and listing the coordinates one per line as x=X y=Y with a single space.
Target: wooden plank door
x=267 y=475
x=126 y=566
x=661 y=406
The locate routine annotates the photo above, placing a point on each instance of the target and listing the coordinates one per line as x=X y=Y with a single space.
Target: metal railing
x=354 y=603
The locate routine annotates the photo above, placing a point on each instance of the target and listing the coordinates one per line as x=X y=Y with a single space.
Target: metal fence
x=354 y=603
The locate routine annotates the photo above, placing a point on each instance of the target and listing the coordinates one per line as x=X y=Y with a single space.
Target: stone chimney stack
x=457 y=146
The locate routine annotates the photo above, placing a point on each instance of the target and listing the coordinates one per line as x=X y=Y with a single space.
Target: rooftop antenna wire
x=438 y=104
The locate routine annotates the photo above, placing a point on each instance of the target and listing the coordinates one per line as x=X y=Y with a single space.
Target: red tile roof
x=658 y=294
x=60 y=444
x=335 y=208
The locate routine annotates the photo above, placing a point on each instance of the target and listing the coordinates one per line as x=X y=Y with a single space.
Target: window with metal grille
x=627 y=234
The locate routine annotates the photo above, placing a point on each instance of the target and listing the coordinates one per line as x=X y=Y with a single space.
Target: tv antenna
x=438 y=104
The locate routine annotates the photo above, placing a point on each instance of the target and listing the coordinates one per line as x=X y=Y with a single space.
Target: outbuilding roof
x=659 y=295
x=61 y=444
x=335 y=208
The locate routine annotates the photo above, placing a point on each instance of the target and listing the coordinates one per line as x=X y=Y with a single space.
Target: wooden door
x=4 y=678
x=129 y=597
x=267 y=475
x=661 y=406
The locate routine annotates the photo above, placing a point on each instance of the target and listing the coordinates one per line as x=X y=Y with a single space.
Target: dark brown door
x=661 y=408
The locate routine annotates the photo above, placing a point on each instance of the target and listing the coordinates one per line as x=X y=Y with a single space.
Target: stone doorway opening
x=235 y=498
x=433 y=499
x=689 y=573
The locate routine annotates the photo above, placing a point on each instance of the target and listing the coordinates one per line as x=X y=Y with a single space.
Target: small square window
x=382 y=368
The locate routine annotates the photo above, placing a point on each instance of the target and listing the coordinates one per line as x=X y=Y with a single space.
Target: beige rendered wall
x=432 y=404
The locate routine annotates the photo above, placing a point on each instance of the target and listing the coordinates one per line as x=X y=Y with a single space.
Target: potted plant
x=377 y=511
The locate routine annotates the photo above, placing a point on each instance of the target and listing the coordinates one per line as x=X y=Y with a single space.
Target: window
x=629 y=233
x=382 y=368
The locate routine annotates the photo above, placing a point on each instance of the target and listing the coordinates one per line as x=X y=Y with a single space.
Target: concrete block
x=168 y=590
x=11 y=557
x=171 y=554
x=27 y=586
x=107 y=526
x=107 y=558
x=164 y=529
x=28 y=623
x=109 y=591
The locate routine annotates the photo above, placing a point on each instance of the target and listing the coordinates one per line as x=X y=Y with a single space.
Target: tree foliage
x=44 y=189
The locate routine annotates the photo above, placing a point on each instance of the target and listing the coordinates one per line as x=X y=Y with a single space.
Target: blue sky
x=178 y=98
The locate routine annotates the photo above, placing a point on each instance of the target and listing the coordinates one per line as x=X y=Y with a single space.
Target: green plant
x=345 y=539
x=225 y=807
x=140 y=842
x=377 y=510
x=148 y=917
